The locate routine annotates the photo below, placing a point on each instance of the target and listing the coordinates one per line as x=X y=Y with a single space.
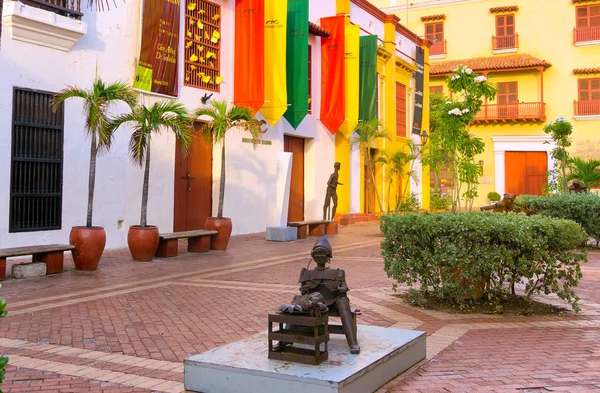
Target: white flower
x=480 y=79
x=448 y=102
x=562 y=119
x=466 y=110
x=455 y=77
x=455 y=112
x=469 y=71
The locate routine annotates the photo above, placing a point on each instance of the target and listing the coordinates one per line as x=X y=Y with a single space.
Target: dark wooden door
x=193 y=186
x=296 y=147
x=526 y=172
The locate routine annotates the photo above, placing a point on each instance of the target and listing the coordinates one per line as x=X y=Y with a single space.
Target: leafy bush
x=410 y=204
x=3 y=359
x=581 y=208
x=438 y=202
x=450 y=255
x=494 y=196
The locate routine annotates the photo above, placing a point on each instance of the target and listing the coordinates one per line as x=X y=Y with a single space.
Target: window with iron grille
x=310 y=79
x=400 y=110
x=203 y=45
x=36 y=162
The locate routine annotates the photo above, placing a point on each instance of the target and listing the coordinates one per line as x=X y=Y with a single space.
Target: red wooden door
x=526 y=172
x=193 y=186
x=296 y=205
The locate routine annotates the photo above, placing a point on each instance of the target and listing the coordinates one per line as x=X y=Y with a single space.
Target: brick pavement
x=128 y=326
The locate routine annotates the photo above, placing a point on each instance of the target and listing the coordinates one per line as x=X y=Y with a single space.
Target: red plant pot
x=142 y=242
x=89 y=245
x=223 y=226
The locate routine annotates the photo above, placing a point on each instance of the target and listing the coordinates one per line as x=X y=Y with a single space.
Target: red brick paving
x=159 y=311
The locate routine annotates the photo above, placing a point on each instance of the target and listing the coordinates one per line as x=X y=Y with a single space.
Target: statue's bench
x=298 y=329
x=198 y=241
x=339 y=329
x=314 y=228
x=504 y=206
x=51 y=254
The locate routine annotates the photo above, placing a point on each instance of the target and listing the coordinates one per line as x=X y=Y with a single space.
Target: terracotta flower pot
x=142 y=242
x=89 y=245
x=223 y=226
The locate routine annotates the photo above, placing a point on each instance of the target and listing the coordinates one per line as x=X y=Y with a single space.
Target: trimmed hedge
x=447 y=254
x=582 y=208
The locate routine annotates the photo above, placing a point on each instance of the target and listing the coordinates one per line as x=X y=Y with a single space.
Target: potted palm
x=145 y=121
x=366 y=135
x=217 y=119
x=89 y=240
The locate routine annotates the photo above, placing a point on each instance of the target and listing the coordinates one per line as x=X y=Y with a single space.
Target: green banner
x=297 y=61
x=368 y=78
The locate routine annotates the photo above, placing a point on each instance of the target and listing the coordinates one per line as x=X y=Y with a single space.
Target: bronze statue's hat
x=322 y=248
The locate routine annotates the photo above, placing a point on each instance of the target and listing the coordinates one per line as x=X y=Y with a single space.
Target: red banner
x=249 y=70
x=333 y=78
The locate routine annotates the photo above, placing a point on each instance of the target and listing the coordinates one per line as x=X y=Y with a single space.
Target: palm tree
x=586 y=171
x=97 y=101
x=223 y=118
x=167 y=115
x=366 y=135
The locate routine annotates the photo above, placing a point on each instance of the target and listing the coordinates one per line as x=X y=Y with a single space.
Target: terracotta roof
x=507 y=63
x=506 y=8
x=582 y=1
x=583 y=71
x=315 y=29
x=433 y=17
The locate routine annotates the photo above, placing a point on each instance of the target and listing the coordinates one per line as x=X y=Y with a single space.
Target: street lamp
x=424 y=137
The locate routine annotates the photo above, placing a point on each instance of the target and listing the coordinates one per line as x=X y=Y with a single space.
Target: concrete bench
x=51 y=254
x=314 y=228
x=198 y=241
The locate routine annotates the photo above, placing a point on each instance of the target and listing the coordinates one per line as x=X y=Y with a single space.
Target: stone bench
x=51 y=254
x=198 y=241
x=314 y=228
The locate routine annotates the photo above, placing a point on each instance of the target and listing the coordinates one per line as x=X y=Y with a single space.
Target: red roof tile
x=506 y=8
x=433 y=17
x=315 y=29
x=584 y=71
x=495 y=63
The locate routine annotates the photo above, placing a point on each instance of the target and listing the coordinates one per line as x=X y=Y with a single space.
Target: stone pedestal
x=282 y=234
x=29 y=270
x=331 y=228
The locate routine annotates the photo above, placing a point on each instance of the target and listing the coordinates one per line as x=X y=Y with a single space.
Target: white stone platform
x=243 y=366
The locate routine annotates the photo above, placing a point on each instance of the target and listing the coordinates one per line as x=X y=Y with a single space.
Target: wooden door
x=508 y=100
x=193 y=186
x=296 y=205
x=526 y=172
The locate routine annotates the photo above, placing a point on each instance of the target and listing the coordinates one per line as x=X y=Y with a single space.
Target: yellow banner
x=275 y=60
x=352 y=62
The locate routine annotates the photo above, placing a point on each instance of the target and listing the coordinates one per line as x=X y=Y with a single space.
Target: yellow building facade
x=543 y=55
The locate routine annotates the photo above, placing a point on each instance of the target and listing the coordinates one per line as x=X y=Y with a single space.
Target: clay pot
x=89 y=245
x=142 y=242
x=223 y=226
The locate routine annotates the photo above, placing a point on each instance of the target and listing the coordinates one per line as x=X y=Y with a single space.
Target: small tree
x=222 y=119
x=97 y=101
x=560 y=131
x=366 y=135
x=3 y=359
x=167 y=115
x=586 y=171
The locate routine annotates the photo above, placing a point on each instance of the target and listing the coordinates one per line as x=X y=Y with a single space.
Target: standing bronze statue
x=331 y=284
x=331 y=194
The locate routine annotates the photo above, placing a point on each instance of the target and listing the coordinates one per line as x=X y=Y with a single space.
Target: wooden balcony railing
x=523 y=111
x=505 y=42
x=586 y=34
x=68 y=8
x=439 y=48
x=587 y=108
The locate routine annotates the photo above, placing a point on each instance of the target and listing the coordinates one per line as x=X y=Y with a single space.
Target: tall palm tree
x=97 y=101
x=586 y=171
x=166 y=115
x=223 y=118
x=366 y=135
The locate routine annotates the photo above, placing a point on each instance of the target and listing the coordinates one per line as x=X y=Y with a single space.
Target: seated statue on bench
x=504 y=206
x=577 y=187
x=331 y=284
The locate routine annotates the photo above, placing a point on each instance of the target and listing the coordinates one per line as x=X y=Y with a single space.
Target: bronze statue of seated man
x=331 y=284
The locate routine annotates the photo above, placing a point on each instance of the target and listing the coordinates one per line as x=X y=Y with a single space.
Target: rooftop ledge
x=41 y=27
x=587 y=43
x=586 y=117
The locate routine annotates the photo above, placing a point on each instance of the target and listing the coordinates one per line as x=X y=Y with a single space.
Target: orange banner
x=333 y=97
x=249 y=70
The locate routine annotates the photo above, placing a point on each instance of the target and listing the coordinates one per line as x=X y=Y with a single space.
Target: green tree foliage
x=3 y=359
x=586 y=171
x=560 y=131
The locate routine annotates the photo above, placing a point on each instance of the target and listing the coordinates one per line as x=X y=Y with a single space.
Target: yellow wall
x=545 y=32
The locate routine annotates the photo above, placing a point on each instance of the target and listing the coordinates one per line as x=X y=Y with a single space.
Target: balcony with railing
x=438 y=48
x=503 y=113
x=586 y=35
x=587 y=108
x=68 y=8
x=505 y=42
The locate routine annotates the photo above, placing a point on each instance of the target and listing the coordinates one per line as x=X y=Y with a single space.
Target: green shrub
x=494 y=196
x=447 y=255
x=409 y=204
x=438 y=202
x=3 y=359
x=582 y=208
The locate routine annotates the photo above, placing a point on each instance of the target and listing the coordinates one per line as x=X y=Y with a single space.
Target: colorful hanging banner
x=297 y=61
x=368 y=78
x=275 y=60
x=419 y=81
x=352 y=75
x=249 y=63
x=159 y=53
x=333 y=99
